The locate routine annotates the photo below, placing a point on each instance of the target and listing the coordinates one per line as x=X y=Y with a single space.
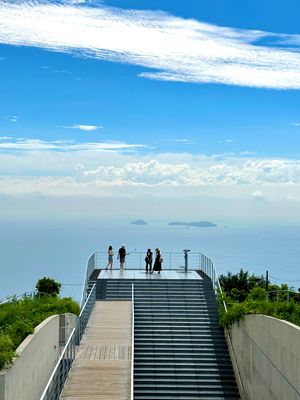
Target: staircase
x=180 y=350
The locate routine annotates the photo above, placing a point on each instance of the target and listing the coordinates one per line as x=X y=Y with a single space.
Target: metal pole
x=267 y=280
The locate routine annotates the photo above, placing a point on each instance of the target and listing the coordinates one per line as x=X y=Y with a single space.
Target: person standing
x=148 y=260
x=158 y=262
x=121 y=256
x=110 y=253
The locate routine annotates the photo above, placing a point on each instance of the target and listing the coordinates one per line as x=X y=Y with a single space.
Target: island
x=139 y=222
x=199 y=224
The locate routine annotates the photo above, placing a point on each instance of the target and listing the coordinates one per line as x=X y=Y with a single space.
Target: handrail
x=90 y=266
x=218 y=290
x=56 y=385
x=86 y=311
x=24 y=296
x=132 y=342
x=59 y=375
x=173 y=260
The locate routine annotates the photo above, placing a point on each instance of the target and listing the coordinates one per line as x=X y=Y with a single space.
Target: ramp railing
x=132 y=344
x=60 y=373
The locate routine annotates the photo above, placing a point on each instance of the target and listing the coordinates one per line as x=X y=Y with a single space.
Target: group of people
x=157 y=266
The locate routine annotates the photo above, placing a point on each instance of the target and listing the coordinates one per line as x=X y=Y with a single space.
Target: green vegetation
x=18 y=319
x=48 y=286
x=246 y=294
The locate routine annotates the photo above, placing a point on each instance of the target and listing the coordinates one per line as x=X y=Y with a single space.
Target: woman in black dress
x=158 y=261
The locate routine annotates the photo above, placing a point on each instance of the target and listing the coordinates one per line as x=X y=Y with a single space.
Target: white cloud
x=175 y=49
x=184 y=141
x=11 y=118
x=56 y=70
x=87 y=128
x=5 y=138
x=230 y=173
x=257 y=195
x=22 y=144
x=226 y=141
x=295 y=123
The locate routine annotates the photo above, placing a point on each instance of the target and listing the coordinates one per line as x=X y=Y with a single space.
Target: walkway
x=101 y=370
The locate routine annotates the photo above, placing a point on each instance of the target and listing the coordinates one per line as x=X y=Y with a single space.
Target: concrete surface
x=267 y=351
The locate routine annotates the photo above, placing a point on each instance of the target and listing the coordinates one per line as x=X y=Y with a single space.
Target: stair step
x=180 y=350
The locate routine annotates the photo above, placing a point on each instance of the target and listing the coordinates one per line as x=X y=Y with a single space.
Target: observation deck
x=147 y=336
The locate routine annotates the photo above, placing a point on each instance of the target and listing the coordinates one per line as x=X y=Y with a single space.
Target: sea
x=60 y=248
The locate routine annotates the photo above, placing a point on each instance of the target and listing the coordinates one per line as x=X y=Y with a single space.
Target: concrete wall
x=267 y=351
x=38 y=354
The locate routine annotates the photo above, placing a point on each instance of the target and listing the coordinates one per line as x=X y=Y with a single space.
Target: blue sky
x=152 y=98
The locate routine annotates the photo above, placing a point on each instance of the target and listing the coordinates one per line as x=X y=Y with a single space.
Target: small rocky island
x=199 y=224
x=139 y=222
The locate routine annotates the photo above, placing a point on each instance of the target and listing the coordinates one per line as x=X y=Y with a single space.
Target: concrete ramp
x=101 y=370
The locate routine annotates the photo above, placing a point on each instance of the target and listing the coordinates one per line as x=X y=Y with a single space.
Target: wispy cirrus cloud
x=87 y=128
x=184 y=141
x=172 y=48
x=21 y=144
x=11 y=118
x=295 y=123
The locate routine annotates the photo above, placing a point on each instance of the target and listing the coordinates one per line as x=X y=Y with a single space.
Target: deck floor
x=101 y=370
x=141 y=274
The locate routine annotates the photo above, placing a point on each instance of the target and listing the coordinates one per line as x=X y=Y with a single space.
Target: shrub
x=239 y=285
x=48 y=286
x=7 y=352
x=19 y=318
x=256 y=303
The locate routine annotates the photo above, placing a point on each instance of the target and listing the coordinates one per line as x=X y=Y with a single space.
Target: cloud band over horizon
x=169 y=47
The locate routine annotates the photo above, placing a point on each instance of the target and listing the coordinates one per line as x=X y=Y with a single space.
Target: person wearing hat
x=158 y=262
x=121 y=256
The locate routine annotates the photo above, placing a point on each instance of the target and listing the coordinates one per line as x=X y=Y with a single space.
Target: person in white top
x=110 y=257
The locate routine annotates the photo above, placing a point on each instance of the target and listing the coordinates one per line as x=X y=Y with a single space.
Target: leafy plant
x=7 y=352
x=48 y=286
x=19 y=318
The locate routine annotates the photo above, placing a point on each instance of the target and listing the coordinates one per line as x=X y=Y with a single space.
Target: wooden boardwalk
x=101 y=370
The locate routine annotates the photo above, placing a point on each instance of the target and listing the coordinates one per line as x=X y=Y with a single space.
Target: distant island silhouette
x=199 y=224
x=139 y=222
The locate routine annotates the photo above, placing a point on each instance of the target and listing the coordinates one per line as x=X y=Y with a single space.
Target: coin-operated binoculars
x=186 y=259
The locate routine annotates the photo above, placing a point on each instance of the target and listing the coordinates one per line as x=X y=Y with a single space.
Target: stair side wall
x=267 y=351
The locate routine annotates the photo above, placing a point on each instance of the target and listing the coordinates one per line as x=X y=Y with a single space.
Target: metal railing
x=213 y=275
x=86 y=312
x=135 y=260
x=282 y=295
x=25 y=295
x=91 y=265
x=58 y=377
x=132 y=343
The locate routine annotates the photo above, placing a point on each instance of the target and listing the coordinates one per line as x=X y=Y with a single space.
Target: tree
x=239 y=285
x=48 y=286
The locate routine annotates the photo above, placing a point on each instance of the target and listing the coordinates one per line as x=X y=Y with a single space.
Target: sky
x=146 y=108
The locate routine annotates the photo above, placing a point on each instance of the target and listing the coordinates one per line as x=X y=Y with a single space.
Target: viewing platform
x=147 y=336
